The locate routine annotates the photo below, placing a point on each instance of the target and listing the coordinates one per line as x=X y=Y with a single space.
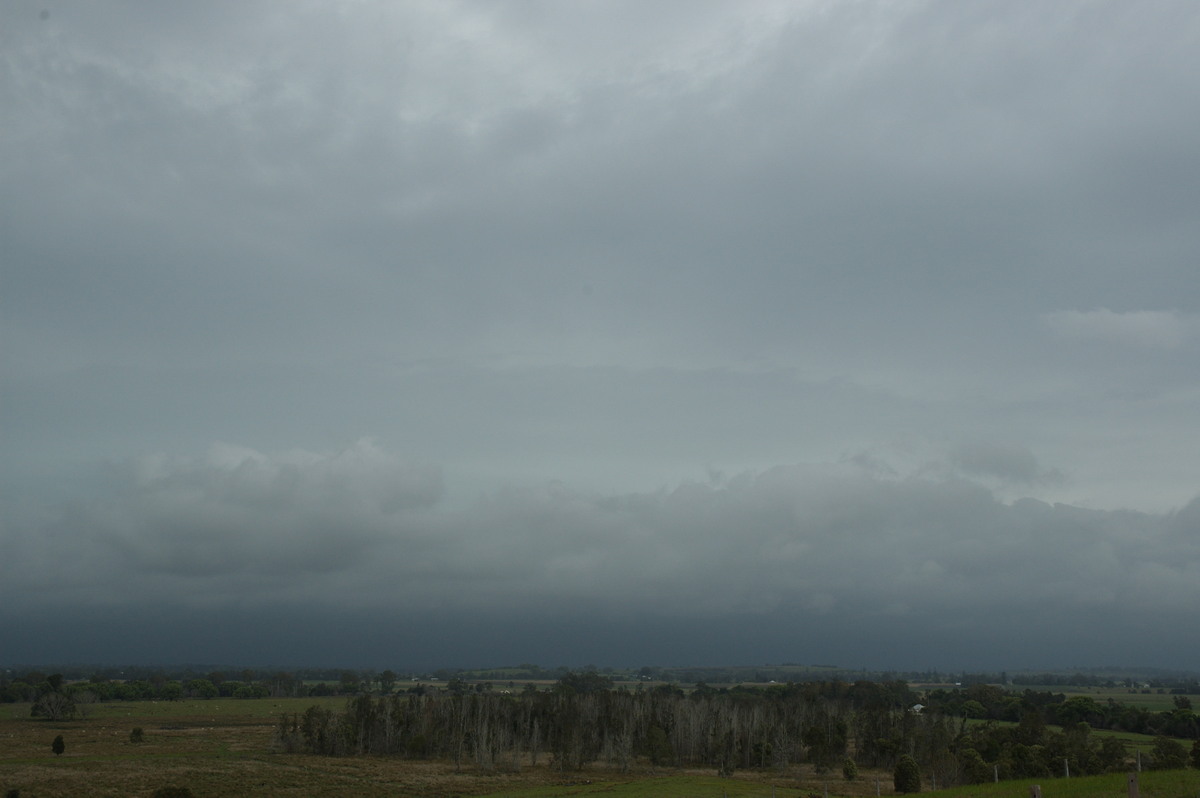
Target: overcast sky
x=395 y=334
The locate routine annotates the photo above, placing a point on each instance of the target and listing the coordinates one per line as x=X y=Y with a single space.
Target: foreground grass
x=685 y=786
x=1151 y=784
x=1157 y=784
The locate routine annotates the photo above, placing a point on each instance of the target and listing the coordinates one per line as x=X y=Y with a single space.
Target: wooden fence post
x=1035 y=791
x=1133 y=785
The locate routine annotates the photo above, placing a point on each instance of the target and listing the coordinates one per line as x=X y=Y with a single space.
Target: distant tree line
x=55 y=698
x=965 y=735
x=989 y=702
x=1179 y=684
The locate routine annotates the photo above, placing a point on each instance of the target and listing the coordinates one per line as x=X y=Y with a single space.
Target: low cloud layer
x=239 y=533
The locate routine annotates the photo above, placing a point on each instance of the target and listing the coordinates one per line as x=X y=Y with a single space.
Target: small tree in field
x=907 y=777
x=137 y=735
x=53 y=706
x=849 y=769
x=58 y=746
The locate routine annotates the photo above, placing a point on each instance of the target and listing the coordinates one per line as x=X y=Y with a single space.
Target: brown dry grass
x=226 y=748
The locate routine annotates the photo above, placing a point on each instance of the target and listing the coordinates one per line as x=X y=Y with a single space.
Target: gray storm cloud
x=769 y=321
x=793 y=540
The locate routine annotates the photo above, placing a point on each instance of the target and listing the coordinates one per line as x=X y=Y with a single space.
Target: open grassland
x=225 y=747
x=1164 y=784
x=1134 y=742
x=1151 y=784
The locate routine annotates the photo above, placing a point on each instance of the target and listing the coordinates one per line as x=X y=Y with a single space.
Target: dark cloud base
x=384 y=638
x=354 y=557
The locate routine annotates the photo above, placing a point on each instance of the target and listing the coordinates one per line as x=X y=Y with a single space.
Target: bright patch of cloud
x=1147 y=328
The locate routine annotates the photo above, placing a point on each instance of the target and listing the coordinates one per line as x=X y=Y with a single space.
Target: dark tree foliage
x=584 y=682
x=907 y=776
x=1168 y=754
x=387 y=680
x=58 y=746
x=826 y=738
x=972 y=768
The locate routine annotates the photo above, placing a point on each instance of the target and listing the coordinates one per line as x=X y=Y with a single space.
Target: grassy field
x=224 y=747
x=1167 y=784
x=1158 y=784
x=1153 y=701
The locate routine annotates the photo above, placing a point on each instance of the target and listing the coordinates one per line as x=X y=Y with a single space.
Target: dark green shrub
x=907 y=777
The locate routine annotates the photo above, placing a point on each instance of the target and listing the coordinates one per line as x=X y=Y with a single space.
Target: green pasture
x=1151 y=784
x=1135 y=742
x=1153 y=701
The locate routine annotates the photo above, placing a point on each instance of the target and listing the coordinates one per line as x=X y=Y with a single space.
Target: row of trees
x=829 y=725
x=572 y=729
x=34 y=687
x=989 y=702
